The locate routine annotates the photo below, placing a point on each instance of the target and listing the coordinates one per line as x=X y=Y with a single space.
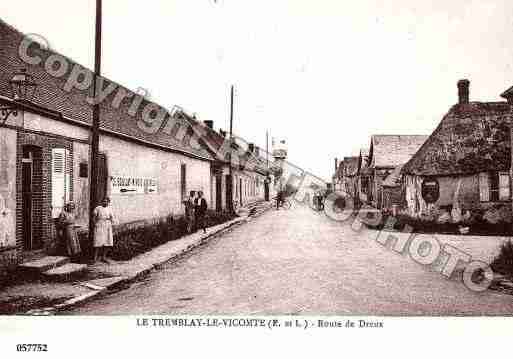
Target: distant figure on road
x=103 y=234
x=189 y=211
x=279 y=198
x=319 y=201
x=200 y=208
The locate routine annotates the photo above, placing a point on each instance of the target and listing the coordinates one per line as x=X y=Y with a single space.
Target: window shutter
x=484 y=187
x=58 y=180
x=67 y=176
x=504 y=189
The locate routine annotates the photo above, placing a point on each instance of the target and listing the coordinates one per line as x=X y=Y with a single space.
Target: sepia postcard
x=318 y=177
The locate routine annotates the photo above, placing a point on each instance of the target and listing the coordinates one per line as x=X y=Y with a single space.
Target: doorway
x=219 y=204
x=228 y=191
x=31 y=197
x=240 y=192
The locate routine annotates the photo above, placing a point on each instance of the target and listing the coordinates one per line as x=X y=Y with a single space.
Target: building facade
x=463 y=169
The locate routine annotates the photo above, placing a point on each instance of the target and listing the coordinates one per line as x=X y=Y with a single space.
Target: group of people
x=195 y=211
x=103 y=233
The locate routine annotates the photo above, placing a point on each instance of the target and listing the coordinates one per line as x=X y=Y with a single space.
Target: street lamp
x=23 y=88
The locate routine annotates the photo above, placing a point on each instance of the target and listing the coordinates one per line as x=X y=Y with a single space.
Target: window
x=494 y=186
x=504 y=187
x=365 y=185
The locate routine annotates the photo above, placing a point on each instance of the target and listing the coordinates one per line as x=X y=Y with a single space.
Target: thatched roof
x=390 y=151
x=470 y=138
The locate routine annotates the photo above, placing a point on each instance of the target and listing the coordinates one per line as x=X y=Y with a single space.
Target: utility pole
x=230 y=180
x=267 y=148
x=267 y=176
x=95 y=129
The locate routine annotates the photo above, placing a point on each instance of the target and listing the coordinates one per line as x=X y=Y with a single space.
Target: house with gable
x=386 y=152
x=463 y=168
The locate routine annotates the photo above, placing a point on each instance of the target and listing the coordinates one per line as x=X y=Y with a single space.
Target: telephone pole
x=95 y=128
x=267 y=148
x=230 y=176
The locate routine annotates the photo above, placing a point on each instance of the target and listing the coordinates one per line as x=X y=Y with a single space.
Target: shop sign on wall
x=430 y=190
x=133 y=185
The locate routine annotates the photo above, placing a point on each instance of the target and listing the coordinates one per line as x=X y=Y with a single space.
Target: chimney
x=209 y=124
x=257 y=151
x=222 y=132
x=463 y=91
x=336 y=164
x=251 y=147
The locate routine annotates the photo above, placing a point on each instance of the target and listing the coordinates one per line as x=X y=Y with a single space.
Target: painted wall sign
x=133 y=185
x=430 y=190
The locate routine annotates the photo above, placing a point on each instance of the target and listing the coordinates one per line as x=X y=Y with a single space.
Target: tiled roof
x=215 y=141
x=73 y=104
x=389 y=151
x=470 y=138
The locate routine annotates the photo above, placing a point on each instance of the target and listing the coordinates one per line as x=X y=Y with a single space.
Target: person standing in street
x=103 y=233
x=279 y=199
x=189 y=211
x=200 y=206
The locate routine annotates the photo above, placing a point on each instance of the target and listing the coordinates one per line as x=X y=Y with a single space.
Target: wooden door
x=26 y=178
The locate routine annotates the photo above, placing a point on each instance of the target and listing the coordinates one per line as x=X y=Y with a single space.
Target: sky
x=324 y=75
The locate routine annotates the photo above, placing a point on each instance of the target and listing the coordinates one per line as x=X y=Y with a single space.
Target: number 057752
x=31 y=347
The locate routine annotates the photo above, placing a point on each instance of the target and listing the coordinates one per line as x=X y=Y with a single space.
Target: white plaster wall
x=7 y=187
x=38 y=123
x=131 y=160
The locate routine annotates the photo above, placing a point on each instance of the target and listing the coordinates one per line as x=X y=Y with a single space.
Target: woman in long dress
x=67 y=222
x=189 y=211
x=103 y=234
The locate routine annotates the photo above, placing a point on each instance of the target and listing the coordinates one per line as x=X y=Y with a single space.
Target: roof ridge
x=74 y=62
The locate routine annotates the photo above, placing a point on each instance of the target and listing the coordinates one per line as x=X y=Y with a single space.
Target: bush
x=131 y=242
x=503 y=262
x=429 y=224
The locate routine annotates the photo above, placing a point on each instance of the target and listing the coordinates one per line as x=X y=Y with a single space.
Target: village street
x=297 y=262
